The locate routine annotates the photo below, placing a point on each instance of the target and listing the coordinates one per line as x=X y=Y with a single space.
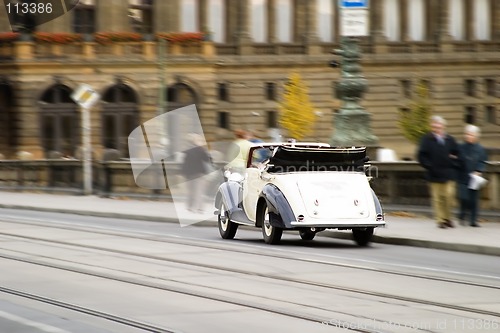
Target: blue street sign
x=361 y=4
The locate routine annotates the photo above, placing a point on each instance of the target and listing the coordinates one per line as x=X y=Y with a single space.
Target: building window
x=258 y=28
x=180 y=95
x=8 y=128
x=482 y=19
x=284 y=22
x=470 y=87
x=60 y=122
x=325 y=20
x=222 y=92
x=120 y=117
x=272 y=119
x=392 y=25
x=457 y=22
x=223 y=120
x=216 y=20
x=470 y=115
x=141 y=16
x=270 y=91
x=189 y=16
x=491 y=87
x=406 y=88
x=417 y=20
x=491 y=114
x=84 y=17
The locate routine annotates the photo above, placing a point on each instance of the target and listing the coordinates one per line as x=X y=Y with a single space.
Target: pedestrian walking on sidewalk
x=473 y=162
x=438 y=153
x=195 y=166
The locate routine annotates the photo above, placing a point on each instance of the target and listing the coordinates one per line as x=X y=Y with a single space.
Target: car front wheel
x=227 y=228
x=272 y=235
x=362 y=236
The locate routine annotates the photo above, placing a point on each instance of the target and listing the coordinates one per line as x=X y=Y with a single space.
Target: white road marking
x=27 y=322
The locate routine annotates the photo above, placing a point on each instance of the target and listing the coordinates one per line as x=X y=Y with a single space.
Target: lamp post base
x=353 y=129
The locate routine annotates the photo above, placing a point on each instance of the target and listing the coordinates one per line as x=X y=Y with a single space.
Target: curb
x=106 y=215
x=467 y=248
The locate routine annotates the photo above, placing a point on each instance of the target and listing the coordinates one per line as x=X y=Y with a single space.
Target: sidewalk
x=403 y=228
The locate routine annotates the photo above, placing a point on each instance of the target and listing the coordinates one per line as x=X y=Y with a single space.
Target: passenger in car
x=237 y=155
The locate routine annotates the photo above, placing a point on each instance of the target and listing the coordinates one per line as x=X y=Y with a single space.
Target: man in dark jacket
x=438 y=154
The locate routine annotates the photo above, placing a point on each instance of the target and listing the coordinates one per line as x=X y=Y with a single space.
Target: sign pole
x=86 y=97
x=87 y=151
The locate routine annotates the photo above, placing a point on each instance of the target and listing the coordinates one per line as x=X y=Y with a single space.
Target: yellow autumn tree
x=296 y=110
x=415 y=122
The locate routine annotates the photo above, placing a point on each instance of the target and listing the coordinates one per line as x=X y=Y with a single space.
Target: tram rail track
x=226 y=245
x=184 y=291
x=274 y=276
x=94 y=313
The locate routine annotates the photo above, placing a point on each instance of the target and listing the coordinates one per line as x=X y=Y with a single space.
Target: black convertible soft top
x=287 y=159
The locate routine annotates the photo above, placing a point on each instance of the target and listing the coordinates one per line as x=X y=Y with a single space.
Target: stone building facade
x=236 y=78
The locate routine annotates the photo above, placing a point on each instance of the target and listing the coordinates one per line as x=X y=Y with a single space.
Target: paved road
x=244 y=270
x=405 y=229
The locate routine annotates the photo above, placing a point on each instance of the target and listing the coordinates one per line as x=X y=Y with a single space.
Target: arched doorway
x=60 y=122
x=180 y=95
x=8 y=130
x=120 y=117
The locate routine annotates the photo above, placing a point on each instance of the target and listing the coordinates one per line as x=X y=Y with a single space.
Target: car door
x=252 y=186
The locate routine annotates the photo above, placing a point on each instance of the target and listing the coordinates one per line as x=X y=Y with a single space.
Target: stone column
x=271 y=21
x=336 y=22
x=243 y=38
x=495 y=20
x=244 y=21
x=403 y=22
x=112 y=15
x=432 y=16
x=378 y=37
x=231 y=12
x=203 y=15
x=166 y=15
x=311 y=39
x=469 y=20
x=444 y=36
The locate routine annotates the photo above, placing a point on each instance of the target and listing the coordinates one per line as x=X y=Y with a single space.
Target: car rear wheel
x=227 y=228
x=271 y=234
x=307 y=234
x=362 y=236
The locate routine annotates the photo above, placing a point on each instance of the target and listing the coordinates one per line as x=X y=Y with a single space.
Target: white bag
x=476 y=182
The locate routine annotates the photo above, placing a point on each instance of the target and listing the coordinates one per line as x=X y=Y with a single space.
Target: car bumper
x=297 y=224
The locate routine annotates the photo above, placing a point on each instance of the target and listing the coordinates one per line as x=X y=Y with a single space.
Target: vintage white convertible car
x=309 y=187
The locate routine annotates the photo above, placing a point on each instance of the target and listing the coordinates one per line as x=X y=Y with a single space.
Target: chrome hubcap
x=223 y=220
x=268 y=228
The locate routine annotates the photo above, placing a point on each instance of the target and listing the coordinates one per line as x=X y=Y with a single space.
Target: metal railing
x=395 y=183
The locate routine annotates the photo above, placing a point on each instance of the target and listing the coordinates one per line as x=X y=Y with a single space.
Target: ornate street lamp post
x=351 y=122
